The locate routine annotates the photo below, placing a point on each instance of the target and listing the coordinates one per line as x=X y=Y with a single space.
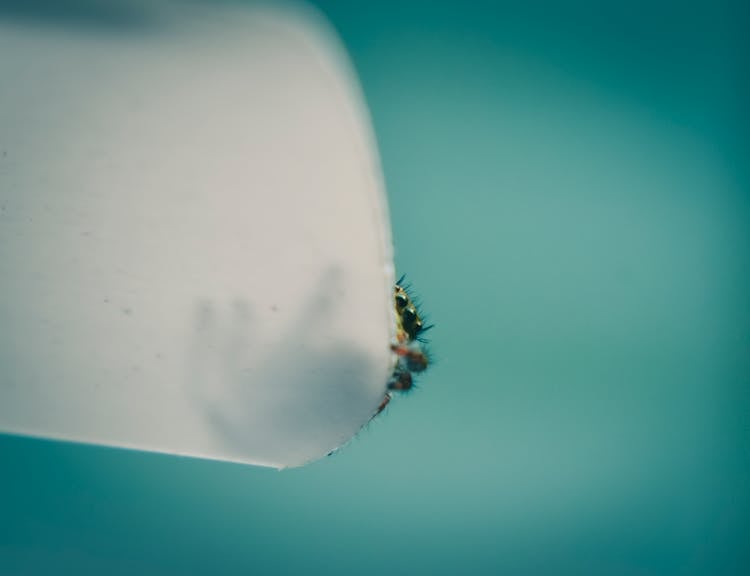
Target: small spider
x=409 y=348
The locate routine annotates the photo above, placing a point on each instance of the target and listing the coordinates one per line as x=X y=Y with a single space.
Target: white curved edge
x=194 y=237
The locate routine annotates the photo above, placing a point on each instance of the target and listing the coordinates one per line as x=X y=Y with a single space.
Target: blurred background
x=570 y=196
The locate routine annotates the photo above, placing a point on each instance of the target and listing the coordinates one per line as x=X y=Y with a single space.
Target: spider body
x=409 y=347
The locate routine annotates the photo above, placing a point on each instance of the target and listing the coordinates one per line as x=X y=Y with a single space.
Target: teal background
x=569 y=188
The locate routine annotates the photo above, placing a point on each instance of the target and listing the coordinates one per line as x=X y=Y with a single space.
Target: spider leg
x=383 y=404
x=413 y=355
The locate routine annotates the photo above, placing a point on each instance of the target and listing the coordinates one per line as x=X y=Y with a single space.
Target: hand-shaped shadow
x=279 y=401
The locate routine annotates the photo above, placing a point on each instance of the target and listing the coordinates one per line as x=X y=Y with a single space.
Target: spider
x=410 y=346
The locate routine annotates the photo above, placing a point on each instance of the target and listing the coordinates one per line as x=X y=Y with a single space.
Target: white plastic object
x=195 y=253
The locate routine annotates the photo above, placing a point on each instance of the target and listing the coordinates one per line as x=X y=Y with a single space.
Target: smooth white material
x=195 y=251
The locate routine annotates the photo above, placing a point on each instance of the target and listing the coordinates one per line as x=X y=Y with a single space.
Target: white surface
x=194 y=246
